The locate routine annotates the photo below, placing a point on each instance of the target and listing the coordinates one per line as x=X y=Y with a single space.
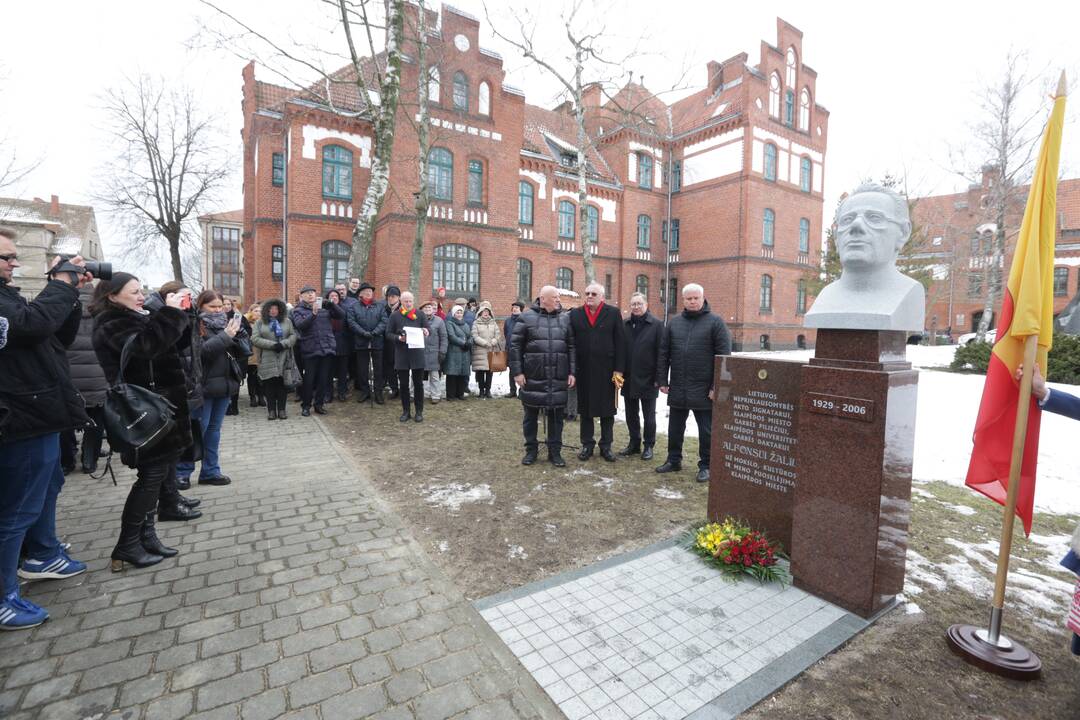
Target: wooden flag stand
x=989 y=649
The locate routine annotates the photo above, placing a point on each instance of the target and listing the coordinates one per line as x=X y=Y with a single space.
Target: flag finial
x=1061 y=86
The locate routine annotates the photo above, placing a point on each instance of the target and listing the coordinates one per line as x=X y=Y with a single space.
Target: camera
x=102 y=270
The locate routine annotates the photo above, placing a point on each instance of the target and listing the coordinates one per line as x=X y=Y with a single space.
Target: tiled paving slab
x=658 y=634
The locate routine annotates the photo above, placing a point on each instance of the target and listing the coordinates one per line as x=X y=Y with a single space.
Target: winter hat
x=461 y=302
x=307 y=288
x=365 y=286
x=393 y=290
x=485 y=305
x=432 y=302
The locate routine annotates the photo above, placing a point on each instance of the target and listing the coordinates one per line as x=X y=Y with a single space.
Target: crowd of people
x=70 y=348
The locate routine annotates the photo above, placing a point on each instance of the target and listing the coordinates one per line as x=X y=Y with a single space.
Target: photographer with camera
x=41 y=403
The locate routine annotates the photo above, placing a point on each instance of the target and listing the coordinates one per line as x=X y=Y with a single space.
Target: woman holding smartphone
x=312 y=320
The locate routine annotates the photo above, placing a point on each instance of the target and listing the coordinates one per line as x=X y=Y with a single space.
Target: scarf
x=591 y=315
x=3 y=331
x=275 y=327
x=411 y=314
x=367 y=301
x=214 y=321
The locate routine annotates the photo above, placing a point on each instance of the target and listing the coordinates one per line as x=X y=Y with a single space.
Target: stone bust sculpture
x=872 y=226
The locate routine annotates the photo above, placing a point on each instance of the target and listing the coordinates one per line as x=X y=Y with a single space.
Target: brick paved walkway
x=298 y=594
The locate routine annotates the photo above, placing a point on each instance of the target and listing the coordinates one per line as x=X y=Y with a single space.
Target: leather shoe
x=530 y=457
x=629 y=450
x=363 y=397
x=320 y=410
x=219 y=480
x=703 y=475
x=669 y=467
x=405 y=417
x=183 y=483
x=178 y=511
x=190 y=502
x=379 y=398
x=647 y=453
x=306 y=412
x=607 y=454
x=586 y=453
x=419 y=417
x=556 y=459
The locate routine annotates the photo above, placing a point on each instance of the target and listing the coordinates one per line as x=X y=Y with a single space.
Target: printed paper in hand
x=414 y=337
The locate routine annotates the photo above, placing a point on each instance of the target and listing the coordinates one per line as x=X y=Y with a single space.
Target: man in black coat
x=41 y=403
x=688 y=349
x=367 y=321
x=600 y=339
x=542 y=364
x=89 y=380
x=516 y=308
x=391 y=304
x=643 y=331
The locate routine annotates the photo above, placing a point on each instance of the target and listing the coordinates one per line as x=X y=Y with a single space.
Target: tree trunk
x=582 y=168
x=174 y=257
x=390 y=90
x=422 y=134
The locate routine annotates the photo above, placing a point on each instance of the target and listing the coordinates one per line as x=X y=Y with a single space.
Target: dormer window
x=568 y=160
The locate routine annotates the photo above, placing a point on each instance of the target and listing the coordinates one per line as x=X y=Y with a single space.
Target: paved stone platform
x=657 y=634
x=298 y=594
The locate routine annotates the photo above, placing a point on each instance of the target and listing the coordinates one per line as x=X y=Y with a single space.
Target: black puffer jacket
x=688 y=348
x=316 y=332
x=34 y=386
x=154 y=355
x=542 y=348
x=86 y=373
x=222 y=362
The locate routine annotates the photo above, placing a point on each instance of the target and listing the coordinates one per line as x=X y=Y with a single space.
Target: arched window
x=792 y=65
x=774 y=95
x=1061 y=281
x=644 y=171
x=592 y=224
x=335 y=263
x=564 y=278
x=770 y=162
x=804 y=109
x=789 y=107
x=337 y=172
x=642 y=286
x=457 y=268
x=768 y=228
x=433 y=85
x=524 y=280
x=800 y=342
x=644 y=231
x=476 y=182
x=800 y=298
x=483 y=99
x=441 y=174
x=804 y=235
x=525 y=203
x=461 y=92
x=766 y=293
x=566 y=219
x=805 y=174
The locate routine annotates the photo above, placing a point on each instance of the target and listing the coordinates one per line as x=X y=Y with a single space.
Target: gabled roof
x=339 y=90
x=551 y=132
x=72 y=224
x=699 y=109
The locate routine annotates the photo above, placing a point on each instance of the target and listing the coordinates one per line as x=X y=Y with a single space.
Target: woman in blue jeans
x=223 y=353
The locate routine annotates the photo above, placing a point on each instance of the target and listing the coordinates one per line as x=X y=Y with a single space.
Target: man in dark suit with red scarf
x=600 y=341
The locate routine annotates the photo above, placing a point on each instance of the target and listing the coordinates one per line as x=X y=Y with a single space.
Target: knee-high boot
x=151 y=542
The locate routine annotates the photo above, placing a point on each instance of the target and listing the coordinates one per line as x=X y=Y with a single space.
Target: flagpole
x=993 y=634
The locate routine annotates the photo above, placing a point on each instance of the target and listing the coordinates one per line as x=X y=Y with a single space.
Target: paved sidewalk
x=298 y=594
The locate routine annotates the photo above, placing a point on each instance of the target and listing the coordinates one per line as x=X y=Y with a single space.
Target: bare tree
x=1003 y=143
x=375 y=73
x=423 y=135
x=167 y=170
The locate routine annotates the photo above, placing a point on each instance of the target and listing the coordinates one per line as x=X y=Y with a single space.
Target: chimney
x=590 y=96
x=716 y=76
x=54 y=206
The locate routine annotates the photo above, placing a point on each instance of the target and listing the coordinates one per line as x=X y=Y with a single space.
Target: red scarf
x=411 y=314
x=591 y=315
x=367 y=302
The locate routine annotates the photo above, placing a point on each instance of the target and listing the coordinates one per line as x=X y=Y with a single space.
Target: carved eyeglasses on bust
x=873 y=218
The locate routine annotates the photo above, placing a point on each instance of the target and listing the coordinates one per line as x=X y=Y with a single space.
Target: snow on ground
x=947 y=406
x=453 y=495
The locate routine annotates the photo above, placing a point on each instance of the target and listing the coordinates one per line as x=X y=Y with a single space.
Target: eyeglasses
x=9 y=258
x=873 y=218
x=591 y=293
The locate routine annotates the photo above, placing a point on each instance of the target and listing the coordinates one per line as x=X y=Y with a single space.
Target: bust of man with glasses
x=872 y=226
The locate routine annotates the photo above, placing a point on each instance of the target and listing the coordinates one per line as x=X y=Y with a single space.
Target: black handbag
x=136 y=418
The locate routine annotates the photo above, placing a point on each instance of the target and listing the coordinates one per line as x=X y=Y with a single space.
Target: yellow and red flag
x=1027 y=309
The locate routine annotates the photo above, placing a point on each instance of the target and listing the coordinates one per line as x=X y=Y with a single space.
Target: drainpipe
x=667 y=245
x=285 y=217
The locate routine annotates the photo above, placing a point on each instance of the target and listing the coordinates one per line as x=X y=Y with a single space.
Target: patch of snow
x=516 y=552
x=579 y=471
x=522 y=509
x=442 y=546
x=919 y=492
x=961 y=509
x=606 y=483
x=453 y=495
x=665 y=493
x=921 y=573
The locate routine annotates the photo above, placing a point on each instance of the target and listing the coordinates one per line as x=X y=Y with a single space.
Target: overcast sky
x=900 y=80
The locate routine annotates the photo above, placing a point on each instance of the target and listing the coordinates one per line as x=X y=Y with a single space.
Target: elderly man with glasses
x=600 y=340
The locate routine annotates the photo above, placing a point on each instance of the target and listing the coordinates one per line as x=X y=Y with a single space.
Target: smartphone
x=185 y=302
x=318 y=302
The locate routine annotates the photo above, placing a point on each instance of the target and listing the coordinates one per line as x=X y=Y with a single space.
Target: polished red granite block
x=853 y=498
x=755 y=443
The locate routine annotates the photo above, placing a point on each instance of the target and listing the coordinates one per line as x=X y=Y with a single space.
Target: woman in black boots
x=408 y=361
x=275 y=337
x=154 y=363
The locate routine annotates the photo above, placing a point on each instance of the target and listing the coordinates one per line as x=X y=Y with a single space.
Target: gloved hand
x=442 y=357
x=617 y=379
x=278 y=347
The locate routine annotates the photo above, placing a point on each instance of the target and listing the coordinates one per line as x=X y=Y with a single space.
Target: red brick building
x=957 y=230
x=744 y=206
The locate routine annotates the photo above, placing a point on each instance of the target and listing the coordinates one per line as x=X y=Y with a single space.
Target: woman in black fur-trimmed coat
x=154 y=363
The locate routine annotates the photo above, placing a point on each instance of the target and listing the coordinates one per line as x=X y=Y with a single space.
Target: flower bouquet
x=736 y=550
